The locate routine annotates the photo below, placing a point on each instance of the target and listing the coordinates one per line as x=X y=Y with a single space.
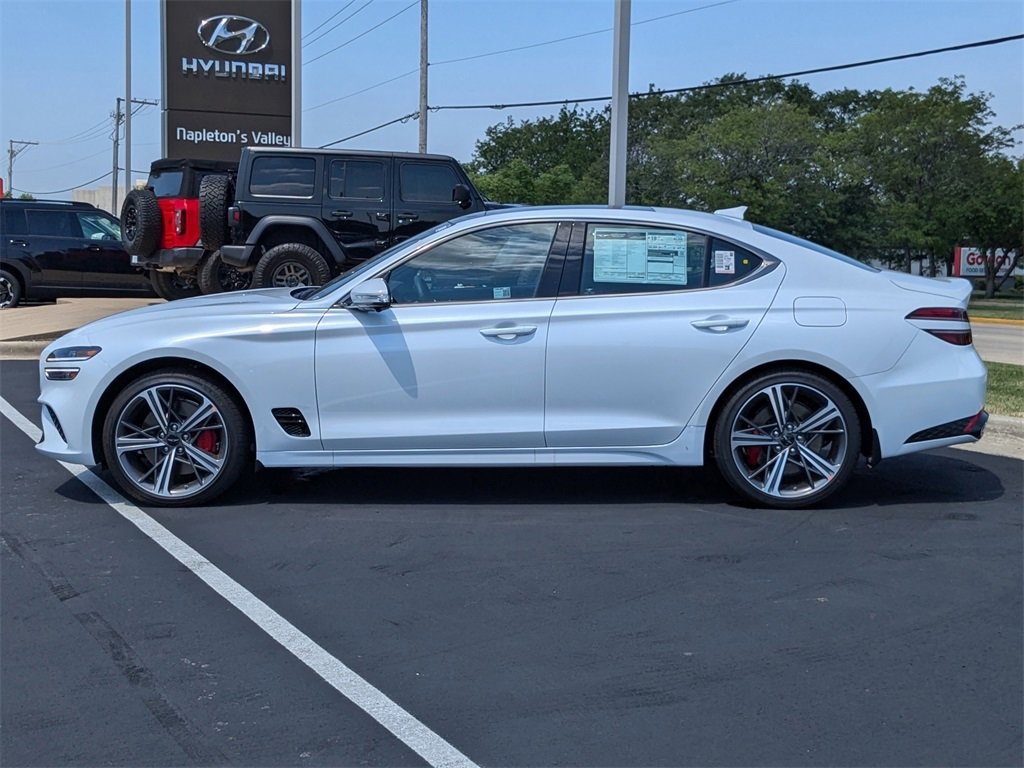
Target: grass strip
x=1005 y=394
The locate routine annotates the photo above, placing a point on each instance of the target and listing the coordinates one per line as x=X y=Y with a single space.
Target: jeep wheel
x=289 y=266
x=174 y=285
x=216 y=193
x=141 y=223
x=217 y=277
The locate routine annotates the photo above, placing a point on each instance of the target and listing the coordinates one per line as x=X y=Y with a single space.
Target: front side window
x=490 y=265
x=52 y=223
x=358 y=179
x=427 y=183
x=627 y=258
x=283 y=176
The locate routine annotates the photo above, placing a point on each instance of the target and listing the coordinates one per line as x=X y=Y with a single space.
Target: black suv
x=300 y=216
x=51 y=249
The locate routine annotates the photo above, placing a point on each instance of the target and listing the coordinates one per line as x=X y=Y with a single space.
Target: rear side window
x=283 y=176
x=626 y=258
x=52 y=223
x=427 y=183
x=359 y=179
x=728 y=263
x=166 y=183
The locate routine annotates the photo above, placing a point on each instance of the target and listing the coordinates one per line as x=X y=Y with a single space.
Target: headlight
x=72 y=354
x=68 y=355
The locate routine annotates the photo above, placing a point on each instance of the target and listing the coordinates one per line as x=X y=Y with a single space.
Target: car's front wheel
x=173 y=438
x=787 y=440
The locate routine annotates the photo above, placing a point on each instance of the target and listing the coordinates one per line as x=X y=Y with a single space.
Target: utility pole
x=423 y=75
x=117 y=136
x=13 y=153
x=128 y=108
x=620 y=107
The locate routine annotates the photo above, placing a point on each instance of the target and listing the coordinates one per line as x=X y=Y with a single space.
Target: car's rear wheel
x=10 y=290
x=290 y=265
x=173 y=438
x=787 y=440
x=217 y=277
x=175 y=285
x=216 y=193
x=141 y=223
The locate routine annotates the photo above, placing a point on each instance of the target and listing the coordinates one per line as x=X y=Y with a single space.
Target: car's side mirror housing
x=370 y=296
x=460 y=195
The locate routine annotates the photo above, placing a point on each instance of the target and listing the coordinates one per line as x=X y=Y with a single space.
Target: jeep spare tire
x=289 y=266
x=141 y=223
x=216 y=193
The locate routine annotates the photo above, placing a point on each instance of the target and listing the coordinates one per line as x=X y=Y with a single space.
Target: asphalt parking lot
x=517 y=617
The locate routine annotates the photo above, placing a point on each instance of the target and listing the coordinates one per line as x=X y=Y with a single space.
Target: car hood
x=199 y=309
x=955 y=288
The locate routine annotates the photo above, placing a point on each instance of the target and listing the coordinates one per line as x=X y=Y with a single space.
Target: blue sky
x=62 y=64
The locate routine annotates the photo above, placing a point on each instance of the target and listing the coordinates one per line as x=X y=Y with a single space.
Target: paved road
x=529 y=617
x=999 y=343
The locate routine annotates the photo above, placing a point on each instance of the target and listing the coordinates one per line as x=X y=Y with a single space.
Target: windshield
x=370 y=264
x=812 y=246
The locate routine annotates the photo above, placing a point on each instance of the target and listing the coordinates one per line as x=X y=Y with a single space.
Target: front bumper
x=170 y=258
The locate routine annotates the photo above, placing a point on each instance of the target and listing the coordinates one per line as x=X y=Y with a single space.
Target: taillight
x=961 y=337
x=179 y=221
x=234 y=215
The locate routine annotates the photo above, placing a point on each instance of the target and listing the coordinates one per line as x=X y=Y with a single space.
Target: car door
x=49 y=249
x=357 y=206
x=106 y=266
x=423 y=196
x=652 y=319
x=456 y=363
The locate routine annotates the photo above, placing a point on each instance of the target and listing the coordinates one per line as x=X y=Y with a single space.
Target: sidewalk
x=26 y=329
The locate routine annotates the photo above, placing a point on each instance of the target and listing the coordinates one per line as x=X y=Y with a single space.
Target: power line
x=362 y=34
x=577 y=37
x=322 y=23
x=401 y=119
x=328 y=31
x=743 y=81
x=69 y=189
x=364 y=90
x=72 y=162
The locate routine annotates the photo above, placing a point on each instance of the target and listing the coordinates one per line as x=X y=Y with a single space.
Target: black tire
x=217 y=277
x=142 y=224
x=787 y=440
x=196 y=448
x=10 y=290
x=290 y=265
x=216 y=193
x=174 y=285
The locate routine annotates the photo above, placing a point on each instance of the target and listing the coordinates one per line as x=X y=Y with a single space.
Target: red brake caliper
x=206 y=441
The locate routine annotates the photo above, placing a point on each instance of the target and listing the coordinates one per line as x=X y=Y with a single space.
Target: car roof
x=54 y=203
x=174 y=163
x=345 y=153
x=720 y=222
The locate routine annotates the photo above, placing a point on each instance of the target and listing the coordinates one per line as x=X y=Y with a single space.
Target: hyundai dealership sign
x=228 y=76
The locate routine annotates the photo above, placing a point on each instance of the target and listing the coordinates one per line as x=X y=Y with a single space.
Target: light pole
x=620 y=107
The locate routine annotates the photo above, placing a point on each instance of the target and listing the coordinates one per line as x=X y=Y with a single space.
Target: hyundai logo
x=233 y=34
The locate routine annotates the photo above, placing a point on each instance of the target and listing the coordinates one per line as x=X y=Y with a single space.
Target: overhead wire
x=325 y=21
x=402 y=119
x=362 y=34
x=69 y=189
x=328 y=31
x=364 y=90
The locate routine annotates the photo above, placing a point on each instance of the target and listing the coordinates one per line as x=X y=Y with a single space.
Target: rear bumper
x=170 y=258
x=236 y=255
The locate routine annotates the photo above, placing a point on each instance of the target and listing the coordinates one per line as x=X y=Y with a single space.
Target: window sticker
x=503 y=293
x=725 y=262
x=635 y=256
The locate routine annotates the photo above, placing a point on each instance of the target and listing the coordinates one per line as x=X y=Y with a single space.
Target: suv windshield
x=166 y=183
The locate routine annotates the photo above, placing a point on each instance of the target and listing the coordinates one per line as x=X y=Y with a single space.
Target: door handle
x=341 y=214
x=22 y=243
x=93 y=248
x=720 y=323
x=383 y=216
x=508 y=333
x=408 y=216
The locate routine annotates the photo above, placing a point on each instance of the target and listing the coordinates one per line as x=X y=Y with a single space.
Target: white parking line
x=414 y=734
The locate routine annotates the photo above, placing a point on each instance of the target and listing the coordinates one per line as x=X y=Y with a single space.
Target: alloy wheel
x=291 y=274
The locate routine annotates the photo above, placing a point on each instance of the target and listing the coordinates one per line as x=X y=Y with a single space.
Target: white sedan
x=533 y=336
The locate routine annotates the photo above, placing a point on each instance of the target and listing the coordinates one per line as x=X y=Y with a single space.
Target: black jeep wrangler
x=160 y=227
x=301 y=216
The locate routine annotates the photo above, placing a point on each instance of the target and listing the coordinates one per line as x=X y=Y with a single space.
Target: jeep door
x=357 y=208
x=423 y=196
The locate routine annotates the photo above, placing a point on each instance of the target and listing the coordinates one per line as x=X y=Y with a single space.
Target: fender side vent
x=292 y=421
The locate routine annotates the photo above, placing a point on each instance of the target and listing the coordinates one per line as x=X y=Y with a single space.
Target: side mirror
x=461 y=196
x=370 y=296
